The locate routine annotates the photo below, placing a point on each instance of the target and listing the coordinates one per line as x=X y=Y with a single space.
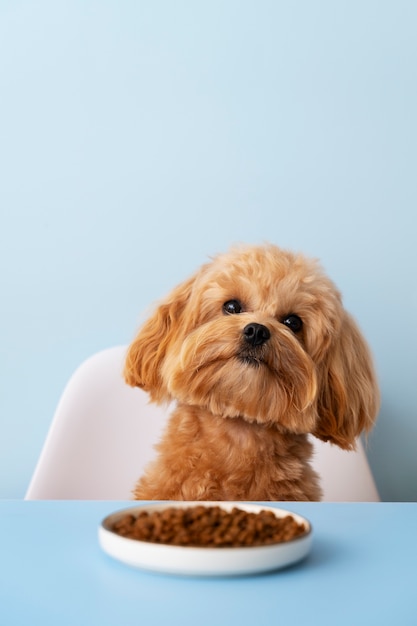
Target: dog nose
x=256 y=334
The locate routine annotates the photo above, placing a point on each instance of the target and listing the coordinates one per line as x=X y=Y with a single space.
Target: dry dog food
x=208 y=526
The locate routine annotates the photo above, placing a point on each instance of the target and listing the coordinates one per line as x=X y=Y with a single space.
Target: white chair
x=103 y=434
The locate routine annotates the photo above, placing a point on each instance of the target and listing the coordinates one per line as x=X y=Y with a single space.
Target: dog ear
x=349 y=396
x=147 y=352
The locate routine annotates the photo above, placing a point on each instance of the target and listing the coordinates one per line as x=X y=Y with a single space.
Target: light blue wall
x=138 y=138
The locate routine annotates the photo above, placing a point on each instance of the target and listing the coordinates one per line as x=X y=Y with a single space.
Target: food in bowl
x=208 y=526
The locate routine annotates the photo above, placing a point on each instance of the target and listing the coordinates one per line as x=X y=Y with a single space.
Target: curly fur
x=239 y=431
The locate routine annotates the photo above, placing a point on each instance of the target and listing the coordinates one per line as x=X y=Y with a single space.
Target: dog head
x=260 y=333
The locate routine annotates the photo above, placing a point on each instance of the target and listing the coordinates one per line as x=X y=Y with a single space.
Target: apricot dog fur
x=258 y=352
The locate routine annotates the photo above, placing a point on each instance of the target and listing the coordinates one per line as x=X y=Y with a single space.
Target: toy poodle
x=258 y=352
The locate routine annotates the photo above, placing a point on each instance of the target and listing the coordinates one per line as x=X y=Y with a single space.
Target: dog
x=258 y=352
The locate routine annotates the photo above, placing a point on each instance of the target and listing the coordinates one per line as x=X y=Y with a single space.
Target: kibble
x=208 y=526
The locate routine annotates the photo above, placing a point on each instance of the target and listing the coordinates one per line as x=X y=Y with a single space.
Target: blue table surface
x=362 y=570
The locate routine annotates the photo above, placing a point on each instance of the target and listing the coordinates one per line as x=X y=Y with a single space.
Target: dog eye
x=293 y=322
x=231 y=307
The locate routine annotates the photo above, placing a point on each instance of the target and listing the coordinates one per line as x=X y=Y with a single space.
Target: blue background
x=139 y=138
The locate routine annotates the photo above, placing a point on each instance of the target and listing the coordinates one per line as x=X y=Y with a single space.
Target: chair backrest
x=103 y=434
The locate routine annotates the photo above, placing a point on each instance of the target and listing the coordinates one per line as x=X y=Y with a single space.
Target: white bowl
x=186 y=560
